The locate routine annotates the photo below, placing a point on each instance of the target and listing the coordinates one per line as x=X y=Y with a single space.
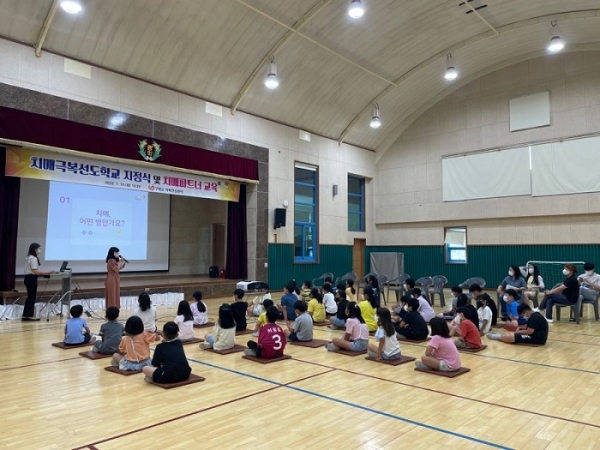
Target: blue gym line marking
x=354 y=405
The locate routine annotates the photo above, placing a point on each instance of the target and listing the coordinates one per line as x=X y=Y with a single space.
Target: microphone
x=124 y=259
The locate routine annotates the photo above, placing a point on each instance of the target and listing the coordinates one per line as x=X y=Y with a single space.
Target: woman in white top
x=32 y=270
x=534 y=281
x=146 y=312
x=199 y=309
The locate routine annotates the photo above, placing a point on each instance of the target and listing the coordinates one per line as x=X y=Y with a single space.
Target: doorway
x=358 y=257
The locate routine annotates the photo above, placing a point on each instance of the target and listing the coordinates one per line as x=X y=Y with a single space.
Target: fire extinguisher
x=222 y=273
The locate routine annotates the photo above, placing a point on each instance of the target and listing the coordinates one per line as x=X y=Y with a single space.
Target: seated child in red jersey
x=469 y=333
x=271 y=338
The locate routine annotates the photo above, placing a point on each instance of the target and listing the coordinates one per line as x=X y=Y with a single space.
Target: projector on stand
x=252 y=285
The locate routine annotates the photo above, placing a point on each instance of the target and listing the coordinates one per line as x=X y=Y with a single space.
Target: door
x=358 y=257
x=218 y=245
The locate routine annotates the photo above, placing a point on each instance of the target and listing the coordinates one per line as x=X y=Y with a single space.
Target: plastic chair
x=425 y=283
x=439 y=281
x=590 y=302
x=347 y=276
x=382 y=279
x=322 y=277
x=575 y=309
x=399 y=283
x=474 y=280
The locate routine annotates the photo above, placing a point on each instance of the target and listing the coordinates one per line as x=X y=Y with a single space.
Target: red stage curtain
x=40 y=129
x=237 y=238
x=9 y=223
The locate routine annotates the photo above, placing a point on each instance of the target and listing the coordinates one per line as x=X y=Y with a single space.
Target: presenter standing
x=32 y=270
x=114 y=264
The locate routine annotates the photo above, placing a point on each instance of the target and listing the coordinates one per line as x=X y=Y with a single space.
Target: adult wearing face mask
x=566 y=293
x=590 y=282
x=534 y=281
x=514 y=281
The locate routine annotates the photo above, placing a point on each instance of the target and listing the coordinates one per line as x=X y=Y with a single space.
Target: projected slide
x=84 y=221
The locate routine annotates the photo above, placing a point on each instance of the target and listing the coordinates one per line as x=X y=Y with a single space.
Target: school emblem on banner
x=149 y=151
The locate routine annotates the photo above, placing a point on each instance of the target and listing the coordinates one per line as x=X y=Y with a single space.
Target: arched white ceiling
x=332 y=69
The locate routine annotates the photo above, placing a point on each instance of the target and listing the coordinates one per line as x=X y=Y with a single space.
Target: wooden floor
x=514 y=397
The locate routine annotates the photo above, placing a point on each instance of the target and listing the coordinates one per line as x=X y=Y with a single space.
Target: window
x=356 y=203
x=455 y=245
x=305 y=213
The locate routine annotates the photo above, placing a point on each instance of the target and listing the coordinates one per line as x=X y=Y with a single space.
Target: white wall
x=21 y=68
x=408 y=192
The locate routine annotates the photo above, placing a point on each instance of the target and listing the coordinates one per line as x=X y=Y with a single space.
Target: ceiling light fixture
x=356 y=10
x=71 y=6
x=556 y=43
x=376 y=119
x=451 y=72
x=271 y=80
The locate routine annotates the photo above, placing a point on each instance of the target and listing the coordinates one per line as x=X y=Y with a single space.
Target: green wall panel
x=487 y=261
x=332 y=258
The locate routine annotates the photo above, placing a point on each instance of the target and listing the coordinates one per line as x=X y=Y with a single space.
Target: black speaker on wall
x=279 y=217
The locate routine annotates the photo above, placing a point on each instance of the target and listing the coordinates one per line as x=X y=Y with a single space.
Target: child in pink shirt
x=441 y=353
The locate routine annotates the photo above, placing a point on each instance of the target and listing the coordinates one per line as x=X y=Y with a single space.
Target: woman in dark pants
x=32 y=264
x=566 y=293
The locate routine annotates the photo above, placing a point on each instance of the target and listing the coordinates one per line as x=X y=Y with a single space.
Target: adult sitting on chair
x=566 y=293
x=590 y=282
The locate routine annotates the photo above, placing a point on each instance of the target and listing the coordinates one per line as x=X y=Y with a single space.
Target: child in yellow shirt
x=316 y=308
x=367 y=308
x=262 y=318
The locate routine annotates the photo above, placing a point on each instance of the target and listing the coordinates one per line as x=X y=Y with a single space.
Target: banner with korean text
x=43 y=165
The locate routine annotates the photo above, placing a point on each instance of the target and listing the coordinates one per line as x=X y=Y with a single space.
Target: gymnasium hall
x=211 y=145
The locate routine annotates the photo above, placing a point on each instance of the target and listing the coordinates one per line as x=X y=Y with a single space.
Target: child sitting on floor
x=262 y=318
x=76 y=329
x=367 y=308
x=350 y=291
x=388 y=347
x=302 y=328
x=339 y=320
x=329 y=301
x=199 y=309
x=316 y=308
x=111 y=333
x=185 y=321
x=238 y=308
x=223 y=333
x=450 y=311
x=305 y=291
x=512 y=323
x=425 y=308
x=146 y=312
x=134 y=349
x=412 y=326
x=169 y=364
x=485 y=316
x=271 y=339
x=535 y=333
x=469 y=333
x=356 y=338
x=441 y=353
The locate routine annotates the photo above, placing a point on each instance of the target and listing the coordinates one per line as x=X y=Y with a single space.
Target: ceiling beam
x=45 y=28
x=481 y=18
x=282 y=41
x=571 y=15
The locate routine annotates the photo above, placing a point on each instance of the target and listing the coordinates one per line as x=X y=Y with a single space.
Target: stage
x=92 y=286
